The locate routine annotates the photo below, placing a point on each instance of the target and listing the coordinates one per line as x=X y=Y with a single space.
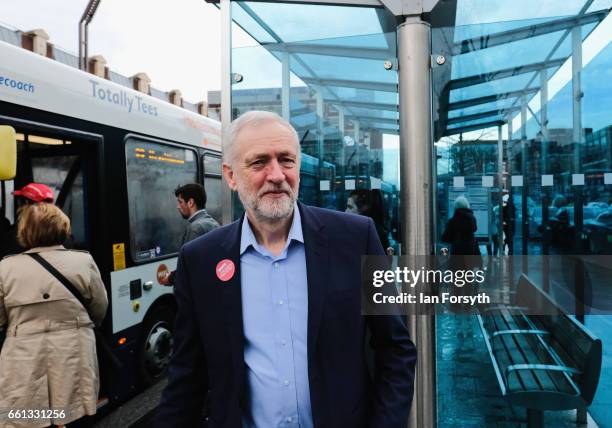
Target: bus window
x=212 y=185
x=154 y=171
x=55 y=172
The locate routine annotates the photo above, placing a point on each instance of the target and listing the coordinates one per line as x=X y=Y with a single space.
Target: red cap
x=36 y=192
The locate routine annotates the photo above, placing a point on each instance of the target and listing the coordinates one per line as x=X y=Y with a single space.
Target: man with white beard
x=269 y=322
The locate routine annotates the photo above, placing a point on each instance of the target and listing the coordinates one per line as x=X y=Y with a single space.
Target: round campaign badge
x=225 y=270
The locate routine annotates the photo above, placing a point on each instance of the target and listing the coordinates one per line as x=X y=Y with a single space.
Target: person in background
x=459 y=233
x=32 y=193
x=464 y=255
x=508 y=225
x=370 y=204
x=191 y=204
x=49 y=359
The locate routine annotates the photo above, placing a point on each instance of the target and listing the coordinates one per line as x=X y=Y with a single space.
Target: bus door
x=211 y=167
x=66 y=162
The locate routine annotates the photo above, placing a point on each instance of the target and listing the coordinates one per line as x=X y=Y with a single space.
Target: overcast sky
x=176 y=43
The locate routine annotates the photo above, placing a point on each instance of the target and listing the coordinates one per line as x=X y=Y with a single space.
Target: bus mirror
x=8 y=153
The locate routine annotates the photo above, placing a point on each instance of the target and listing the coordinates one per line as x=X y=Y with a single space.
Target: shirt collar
x=203 y=210
x=248 y=239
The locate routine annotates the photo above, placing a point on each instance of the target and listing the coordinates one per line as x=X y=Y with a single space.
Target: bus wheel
x=156 y=346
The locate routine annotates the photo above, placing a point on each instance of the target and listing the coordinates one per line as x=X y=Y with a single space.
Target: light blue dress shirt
x=275 y=317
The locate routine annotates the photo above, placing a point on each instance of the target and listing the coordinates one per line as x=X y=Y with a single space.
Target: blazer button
x=46 y=296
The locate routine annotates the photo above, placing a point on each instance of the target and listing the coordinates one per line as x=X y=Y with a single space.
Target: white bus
x=114 y=156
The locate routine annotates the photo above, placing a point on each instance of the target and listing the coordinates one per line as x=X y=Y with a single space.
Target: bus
x=114 y=156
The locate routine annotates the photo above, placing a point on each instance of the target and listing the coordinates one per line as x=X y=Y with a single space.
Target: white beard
x=267 y=209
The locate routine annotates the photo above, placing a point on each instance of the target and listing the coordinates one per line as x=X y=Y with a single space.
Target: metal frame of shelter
x=423 y=116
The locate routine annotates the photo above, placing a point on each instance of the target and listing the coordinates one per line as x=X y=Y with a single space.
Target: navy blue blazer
x=209 y=337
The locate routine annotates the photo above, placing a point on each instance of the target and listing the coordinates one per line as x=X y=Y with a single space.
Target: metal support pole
x=544 y=170
x=341 y=127
x=544 y=118
x=320 y=139
x=500 y=178
x=577 y=166
x=414 y=53
x=286 y=88
x=509 y=149
x=320 y=127
x=226 y=92
x=508 y=262
x=509 y=170
x=82 y=46
x=525 y=188
x=88 y=14
x=577 y=96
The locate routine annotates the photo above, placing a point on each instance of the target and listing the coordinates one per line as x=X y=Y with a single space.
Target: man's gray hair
x=251 y=118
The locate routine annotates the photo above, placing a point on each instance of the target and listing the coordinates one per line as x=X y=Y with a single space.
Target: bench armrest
x=548 y=367
x=500 y=307
x=517 y=331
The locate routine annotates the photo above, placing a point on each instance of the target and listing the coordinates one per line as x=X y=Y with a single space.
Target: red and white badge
x=225 y=270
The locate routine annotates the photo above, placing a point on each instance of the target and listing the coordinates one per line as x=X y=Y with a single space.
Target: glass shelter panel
x=518 y=135
x=522 y=124
x=331 y=83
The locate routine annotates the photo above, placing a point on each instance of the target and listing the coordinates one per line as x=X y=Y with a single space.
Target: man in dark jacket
x=269 y=325
x=191 y=204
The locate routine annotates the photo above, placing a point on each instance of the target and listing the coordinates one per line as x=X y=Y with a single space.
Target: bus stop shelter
x=375 y=88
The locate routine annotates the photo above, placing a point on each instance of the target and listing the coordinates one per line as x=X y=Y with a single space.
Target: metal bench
x=542 y=362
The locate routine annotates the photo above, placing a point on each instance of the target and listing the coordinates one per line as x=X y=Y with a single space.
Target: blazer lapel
x=317 y=268
x=232 y=299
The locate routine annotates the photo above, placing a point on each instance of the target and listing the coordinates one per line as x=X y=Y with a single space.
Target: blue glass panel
x=499 y=86
x=600 y=5
x=366 y=112
x=299 y=22
x=596 y=195
x=494 y=105
x=259 y=68
x=365 y=40
x=329 y=67
x=474 y=122
x=352 y=94
x=560 y=109
x=250 y=25
x=463 y=32
x=597 y=99
x=523 y=52
x=479 y=11
x=336 y=67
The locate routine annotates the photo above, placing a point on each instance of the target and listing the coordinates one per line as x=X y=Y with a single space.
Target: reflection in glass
x=330 y=83
x=515 y=123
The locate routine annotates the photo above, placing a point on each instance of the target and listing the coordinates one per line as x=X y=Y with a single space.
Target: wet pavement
x=138 y=412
